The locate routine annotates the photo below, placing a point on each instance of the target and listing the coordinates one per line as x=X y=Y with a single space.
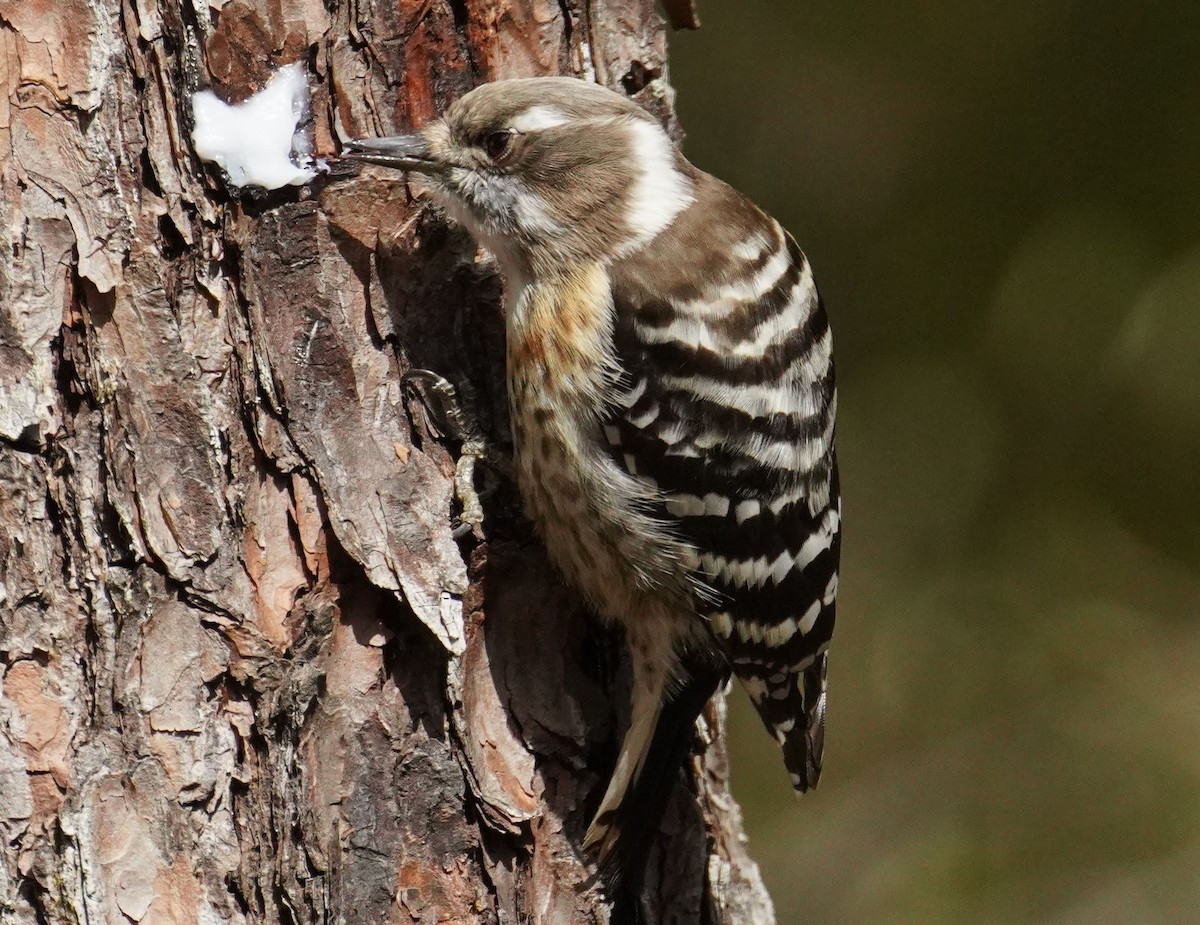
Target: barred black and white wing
x=728 y=408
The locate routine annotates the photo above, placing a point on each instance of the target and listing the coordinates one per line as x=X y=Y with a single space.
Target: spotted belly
x=561 y=499
x=597 y=542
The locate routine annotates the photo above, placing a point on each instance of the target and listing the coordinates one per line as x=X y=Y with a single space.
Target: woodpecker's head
x=546 y=171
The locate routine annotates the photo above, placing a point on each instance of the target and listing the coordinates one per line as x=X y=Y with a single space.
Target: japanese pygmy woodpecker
x=670 y=382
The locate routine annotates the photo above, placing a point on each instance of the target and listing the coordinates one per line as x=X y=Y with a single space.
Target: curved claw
x=447 y=416
x=445 y=410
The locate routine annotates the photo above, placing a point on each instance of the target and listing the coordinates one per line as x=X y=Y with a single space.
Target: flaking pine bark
x=249 y=672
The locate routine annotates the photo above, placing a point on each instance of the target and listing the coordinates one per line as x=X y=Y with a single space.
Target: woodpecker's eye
x=497 y=144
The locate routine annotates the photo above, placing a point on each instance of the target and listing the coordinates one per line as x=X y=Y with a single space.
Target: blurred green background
x=1002 y=203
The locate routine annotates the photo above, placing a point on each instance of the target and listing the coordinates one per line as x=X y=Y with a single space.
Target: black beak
x=402 y=152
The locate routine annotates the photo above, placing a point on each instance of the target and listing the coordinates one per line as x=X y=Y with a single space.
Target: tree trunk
x=248 y=673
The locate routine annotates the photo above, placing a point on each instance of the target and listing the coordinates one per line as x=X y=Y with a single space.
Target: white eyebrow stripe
x=539 y=118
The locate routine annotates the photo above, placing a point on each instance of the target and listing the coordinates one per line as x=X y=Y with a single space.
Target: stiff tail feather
x=628 y=819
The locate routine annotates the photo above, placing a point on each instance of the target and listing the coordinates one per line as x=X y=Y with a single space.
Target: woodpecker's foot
x=449 y=418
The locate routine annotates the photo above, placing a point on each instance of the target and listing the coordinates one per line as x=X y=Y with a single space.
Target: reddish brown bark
x=247 y=674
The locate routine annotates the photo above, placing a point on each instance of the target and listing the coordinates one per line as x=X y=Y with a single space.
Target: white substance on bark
x=255 y=142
